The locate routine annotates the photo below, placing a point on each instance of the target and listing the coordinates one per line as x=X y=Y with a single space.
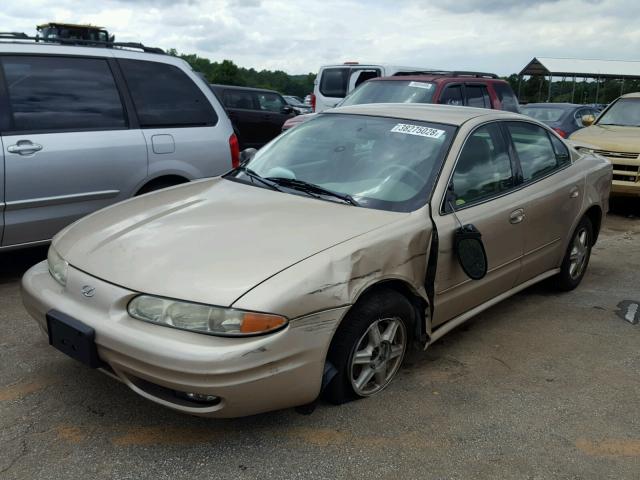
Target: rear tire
x=369 y=346
x=576 y=258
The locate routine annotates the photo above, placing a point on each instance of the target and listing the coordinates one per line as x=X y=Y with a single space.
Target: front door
x=482 y=191
x=272 y=106
x=68 y=150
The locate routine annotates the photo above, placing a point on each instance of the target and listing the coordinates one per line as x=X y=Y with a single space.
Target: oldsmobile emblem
x=88 y=291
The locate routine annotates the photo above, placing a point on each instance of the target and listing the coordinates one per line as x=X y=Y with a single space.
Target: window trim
x=514 y=173
x=549 y=132
x=5 y=101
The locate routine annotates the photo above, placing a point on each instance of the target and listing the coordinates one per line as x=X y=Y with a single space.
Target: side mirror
x=287 y=109
x=588 y=120
x=246 y=155
x=470 y=251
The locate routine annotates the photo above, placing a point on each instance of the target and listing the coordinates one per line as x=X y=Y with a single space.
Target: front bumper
x=247 y=375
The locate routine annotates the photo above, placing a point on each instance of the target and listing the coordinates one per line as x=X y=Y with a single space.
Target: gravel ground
x=542 y=386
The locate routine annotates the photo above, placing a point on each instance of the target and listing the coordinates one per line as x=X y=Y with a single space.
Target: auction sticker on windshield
x=417 y=130
x=426 y=86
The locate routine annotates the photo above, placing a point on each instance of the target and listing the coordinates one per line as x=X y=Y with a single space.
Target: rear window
x=164 y=96
x=334 y=82
x=384 y=91
x=58 y=93
x=506 y=96
x=543 y=114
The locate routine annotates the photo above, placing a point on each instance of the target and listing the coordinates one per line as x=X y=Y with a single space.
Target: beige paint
x=198 y=242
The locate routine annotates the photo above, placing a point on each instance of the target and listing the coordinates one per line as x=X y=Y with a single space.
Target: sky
x=499 y=36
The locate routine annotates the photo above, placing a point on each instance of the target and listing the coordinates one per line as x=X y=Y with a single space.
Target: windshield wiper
x=255 y=176
x=312 y=189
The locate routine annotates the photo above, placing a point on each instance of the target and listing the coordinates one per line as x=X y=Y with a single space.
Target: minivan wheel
x=369 y=346
x=576 y=258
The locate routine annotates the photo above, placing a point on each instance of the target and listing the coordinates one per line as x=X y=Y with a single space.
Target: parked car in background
x=564 y=118
x=616 y=136
x=83 y=127
x=334 y=82
x=298 y=106
x=316 y=265
x=257 y=114
x=307 y=99
x=462 y=88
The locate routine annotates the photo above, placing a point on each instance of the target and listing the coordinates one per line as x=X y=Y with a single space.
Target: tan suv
x=616 y=136
x=316 y=264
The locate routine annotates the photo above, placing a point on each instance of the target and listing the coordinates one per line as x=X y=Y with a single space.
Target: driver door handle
x=516 y=216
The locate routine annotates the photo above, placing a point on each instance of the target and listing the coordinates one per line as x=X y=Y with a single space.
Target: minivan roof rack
x=450 y=73
x=19 y=37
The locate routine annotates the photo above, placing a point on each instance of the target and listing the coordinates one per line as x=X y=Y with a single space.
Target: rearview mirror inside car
x=588 y=120
x=470 y=251
x=246 y=155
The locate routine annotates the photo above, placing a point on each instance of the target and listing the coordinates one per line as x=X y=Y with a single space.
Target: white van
x=334 y=82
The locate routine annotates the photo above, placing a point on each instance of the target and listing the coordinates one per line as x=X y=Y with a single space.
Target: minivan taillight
x=313 y=102
x=234 y=146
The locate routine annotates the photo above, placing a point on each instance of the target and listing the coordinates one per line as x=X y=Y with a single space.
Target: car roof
x=435 y=78
x=425 y=112
x=238 y=87
x=631 y=95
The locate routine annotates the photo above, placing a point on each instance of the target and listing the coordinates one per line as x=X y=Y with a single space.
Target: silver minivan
x=84 y=127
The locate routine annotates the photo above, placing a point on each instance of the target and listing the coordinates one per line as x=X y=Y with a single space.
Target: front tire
x=576 y=258
x=369 y=346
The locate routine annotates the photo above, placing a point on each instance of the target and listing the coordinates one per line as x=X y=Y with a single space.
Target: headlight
x=58 y=266
x=201 y=318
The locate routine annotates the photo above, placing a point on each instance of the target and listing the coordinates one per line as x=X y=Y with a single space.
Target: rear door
x=244 y=112
x=68 y=147
x=483 y=192
x=554 y=195
x=177 y=119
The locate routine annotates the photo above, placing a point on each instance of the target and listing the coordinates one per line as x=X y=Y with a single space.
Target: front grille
x=626 y=173
x=607 y=153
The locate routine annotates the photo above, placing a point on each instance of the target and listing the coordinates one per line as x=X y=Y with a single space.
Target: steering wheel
x=402 y=171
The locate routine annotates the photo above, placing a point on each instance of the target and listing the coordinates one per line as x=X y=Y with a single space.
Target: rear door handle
x=24 y=147
x=574 y=192
x=516 y=216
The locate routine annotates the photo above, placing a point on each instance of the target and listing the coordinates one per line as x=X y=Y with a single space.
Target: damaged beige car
x=314 y=266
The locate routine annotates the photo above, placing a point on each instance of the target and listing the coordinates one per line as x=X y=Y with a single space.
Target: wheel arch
x=161 y=180
x=594 y=214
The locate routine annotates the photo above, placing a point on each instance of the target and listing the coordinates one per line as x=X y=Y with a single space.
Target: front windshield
x=294 y=101
x=625 y=112
x=391 y=91
x=383 y=163
x=543 y=114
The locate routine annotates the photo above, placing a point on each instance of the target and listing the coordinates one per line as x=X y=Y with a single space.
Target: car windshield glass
x=294 y=101
x=625 y=112
x=395 y=91
x=543 y=114
x=381 y=163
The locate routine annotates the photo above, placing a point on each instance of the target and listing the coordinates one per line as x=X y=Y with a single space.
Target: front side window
x=391 y=91
x=334 y=82
x=164 y=96
x=483 y=169
x=270 y=102
x=452 y=95
x=383 y=163
x=535 y=151
x=62 y=93
x=624 y=112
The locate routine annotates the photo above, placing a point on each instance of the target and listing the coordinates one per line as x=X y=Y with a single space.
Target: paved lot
x=541 y=386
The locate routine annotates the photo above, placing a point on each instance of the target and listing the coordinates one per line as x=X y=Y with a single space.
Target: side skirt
x=460 y=319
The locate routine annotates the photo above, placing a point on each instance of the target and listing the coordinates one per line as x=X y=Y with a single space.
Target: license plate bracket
x=73 y=338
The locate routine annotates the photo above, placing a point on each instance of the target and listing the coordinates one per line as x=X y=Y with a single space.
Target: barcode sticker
x=426 y=86
x=417 y=130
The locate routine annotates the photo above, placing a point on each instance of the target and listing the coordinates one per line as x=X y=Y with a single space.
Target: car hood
x=610 y=137
x=209 y=241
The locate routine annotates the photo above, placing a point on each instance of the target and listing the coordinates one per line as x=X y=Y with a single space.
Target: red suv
x=471 y=89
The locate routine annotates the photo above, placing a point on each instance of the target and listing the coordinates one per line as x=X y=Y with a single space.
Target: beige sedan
x=314 y=266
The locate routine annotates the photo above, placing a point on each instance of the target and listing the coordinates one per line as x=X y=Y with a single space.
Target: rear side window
x=452 y=95
x=506 y=96
x=334 y=82
x=478 y=96
x=164 y=96
x=238 y=99
x=58 y=93
x=483 y=169
x=535 y=151
x=561 y=151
